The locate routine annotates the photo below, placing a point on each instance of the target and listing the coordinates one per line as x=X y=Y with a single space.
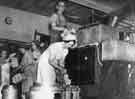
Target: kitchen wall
x=23 y=24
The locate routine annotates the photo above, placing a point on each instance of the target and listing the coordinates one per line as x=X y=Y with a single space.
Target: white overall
x=46 y=73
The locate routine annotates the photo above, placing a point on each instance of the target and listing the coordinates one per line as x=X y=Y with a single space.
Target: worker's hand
x=64 y=71
x=65 y=33
x=12 y=55
x=61 y=63
x=17 y=78
x=67 y=80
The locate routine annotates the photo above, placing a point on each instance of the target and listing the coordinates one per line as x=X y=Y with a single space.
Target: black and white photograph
x=67 y=49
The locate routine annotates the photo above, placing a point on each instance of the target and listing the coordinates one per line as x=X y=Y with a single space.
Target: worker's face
x=4 y=54
x=61 y=7
x=34 y=47
x=22 y=50
x=69 y=44
x=14 y=62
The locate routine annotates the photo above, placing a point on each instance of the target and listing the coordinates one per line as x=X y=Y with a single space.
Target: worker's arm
x=54 y=59
x=53 y=22
x=54 y=62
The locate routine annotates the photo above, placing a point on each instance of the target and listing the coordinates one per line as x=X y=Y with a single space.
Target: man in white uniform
x=51 y=60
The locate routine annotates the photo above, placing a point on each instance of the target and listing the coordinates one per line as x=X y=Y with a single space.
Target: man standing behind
x=57 y=22
x=28 y=72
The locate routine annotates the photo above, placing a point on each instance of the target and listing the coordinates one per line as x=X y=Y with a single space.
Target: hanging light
x=114 y=21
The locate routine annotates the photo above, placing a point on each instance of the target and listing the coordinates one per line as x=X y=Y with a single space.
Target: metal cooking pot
x=9 y=92
x=34 y=91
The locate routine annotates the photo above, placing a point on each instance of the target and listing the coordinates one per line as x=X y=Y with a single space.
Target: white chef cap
x=69 y=37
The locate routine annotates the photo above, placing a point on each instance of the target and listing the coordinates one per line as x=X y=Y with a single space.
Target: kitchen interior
x=102 y=65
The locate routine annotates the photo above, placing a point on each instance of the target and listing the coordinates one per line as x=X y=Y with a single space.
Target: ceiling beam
x=94 y=5
x=44 y=3
x=28 y=4
x=125 y=24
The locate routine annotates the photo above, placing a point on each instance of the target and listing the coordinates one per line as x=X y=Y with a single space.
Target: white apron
x=46 y=73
